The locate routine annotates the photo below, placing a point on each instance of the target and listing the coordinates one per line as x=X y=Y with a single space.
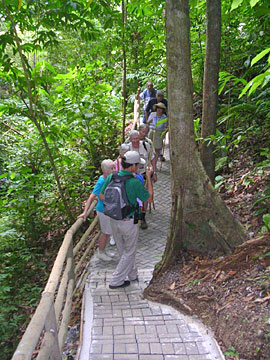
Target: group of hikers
x=124 y=189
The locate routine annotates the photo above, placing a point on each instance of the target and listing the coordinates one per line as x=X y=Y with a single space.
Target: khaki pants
x=125 y=234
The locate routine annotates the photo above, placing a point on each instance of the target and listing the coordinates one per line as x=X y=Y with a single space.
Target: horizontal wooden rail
x=56 y=300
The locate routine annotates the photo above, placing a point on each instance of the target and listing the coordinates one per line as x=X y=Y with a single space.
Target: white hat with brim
x=132 y=157
x=160 y=105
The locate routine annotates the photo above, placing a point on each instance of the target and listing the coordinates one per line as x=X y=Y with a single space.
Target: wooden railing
x=47 y=329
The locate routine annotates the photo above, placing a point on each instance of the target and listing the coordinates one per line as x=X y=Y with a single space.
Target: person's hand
x=148 y=172
x=83 y=216
x=139 y=89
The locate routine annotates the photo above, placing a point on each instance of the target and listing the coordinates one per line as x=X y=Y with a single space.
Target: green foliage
x=266 y=226
x=231 y=352
x=18 y=262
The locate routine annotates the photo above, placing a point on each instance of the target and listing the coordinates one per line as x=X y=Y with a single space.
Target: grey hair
x=106 y=164
x=123 y=147
x=133 y=132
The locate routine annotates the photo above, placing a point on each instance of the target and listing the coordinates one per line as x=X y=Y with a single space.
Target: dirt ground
x=231 y=295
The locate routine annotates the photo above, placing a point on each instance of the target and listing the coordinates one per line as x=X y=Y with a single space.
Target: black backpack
x=115 y=202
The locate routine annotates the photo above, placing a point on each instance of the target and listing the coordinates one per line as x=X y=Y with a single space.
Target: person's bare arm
x=138 y=93
x=89 y=201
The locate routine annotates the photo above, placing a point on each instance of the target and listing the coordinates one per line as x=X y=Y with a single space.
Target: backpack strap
x=144 y=145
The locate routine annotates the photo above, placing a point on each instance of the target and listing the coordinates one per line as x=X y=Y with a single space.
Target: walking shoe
x=162 y=158
x=103 y=256
x=112 y=242
x=143 y=222
x=125 y=283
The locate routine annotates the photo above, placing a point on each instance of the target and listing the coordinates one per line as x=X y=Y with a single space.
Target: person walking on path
x=157 y=129
x=126 y=231
x=145 y=151
x=146 y=95
x=150 y=108
x=122 y=150
x=107 y=167
x=158 y=99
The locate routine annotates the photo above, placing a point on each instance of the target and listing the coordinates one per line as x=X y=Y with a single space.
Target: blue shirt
x=96 y=191
x=155 y=119
x=146 y=96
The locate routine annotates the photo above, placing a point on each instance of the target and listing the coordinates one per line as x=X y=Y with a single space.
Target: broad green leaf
x=3 y=175
x=260 y=56
x=235 y=4
x=253 y=2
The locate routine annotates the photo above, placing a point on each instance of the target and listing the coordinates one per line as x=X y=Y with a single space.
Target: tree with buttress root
x=200 y=220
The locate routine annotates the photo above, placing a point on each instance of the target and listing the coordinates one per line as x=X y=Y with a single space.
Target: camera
x=137 y=217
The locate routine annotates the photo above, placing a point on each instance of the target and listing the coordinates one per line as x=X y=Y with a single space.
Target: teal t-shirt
x=96 y=191
x=134 y=188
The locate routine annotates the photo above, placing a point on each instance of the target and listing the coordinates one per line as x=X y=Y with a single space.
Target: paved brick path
x=121 y=324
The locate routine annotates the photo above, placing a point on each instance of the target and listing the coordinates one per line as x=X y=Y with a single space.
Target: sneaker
x=144 y=225
x=162 y=158
x=103 y=256
x=112 y=242
x=125 y=284
x=143 y=222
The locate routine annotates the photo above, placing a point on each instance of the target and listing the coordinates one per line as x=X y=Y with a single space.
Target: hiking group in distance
x=125 y=188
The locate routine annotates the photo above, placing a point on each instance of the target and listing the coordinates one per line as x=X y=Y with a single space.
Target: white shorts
x=104 y=223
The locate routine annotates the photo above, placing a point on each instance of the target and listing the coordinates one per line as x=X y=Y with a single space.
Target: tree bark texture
x=210 y=84
x=200 y=220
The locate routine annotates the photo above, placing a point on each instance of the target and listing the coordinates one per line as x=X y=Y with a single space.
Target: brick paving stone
x=144 y=348
x=101 y=357
x=124 y=325
x=126 y=313
x=200 y=357
x=155 y=348
x=151 y=329
x=179 y=349
x=118 y=330
x=202 y=348
x=96 y=348
x=151 y=357
x=120 y=348
x=126 y=357
x=132 y=348
x=144 y=338
x=192 y=348
x=129 y=329
x=107 y=330
x=161 y=329
x=124 y=338
x=107 y=348
x=176 y=357
x=167 y=348
x=172 y=328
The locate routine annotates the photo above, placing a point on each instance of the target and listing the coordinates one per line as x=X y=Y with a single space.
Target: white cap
x=132 y=157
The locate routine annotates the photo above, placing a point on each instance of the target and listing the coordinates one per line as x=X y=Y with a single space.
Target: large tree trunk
x=210 y=84
x=200 y=220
